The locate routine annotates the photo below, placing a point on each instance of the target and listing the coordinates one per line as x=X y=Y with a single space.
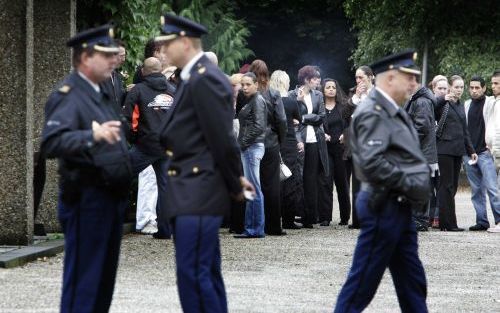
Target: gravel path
x=301 y=272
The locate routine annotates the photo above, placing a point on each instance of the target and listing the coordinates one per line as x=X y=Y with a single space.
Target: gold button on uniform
x=169 y=153
x=196 y=169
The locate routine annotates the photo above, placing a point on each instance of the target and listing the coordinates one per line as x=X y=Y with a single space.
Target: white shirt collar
x=187 y=68
x=94 y=85
x=383 y=93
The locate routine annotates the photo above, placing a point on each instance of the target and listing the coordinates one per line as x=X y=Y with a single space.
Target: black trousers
x=338 y=175
x=270 y=184
x=449 y=167
x=355 y=189
x=314 y=178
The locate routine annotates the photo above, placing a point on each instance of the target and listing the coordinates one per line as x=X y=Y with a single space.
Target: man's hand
x=341 y=139
x=108 y=131
x=246 y=186
x=300 y=147
x=474 y=157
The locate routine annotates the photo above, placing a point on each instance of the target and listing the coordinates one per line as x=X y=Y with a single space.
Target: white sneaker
x=495 y=229
x=149 y=229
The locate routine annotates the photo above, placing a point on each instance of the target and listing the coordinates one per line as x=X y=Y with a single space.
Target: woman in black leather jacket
x=252 y=118
x=453 y=142
x=311 y=139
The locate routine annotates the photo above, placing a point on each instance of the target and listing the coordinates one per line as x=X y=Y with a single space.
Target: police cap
x=177 y=26
x=100 y=39
x=403 y=61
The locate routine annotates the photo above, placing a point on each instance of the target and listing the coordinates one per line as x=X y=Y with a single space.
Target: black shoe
x=421 y=227
x=353 y=226
x=478 y=227
x=324 y=223
x=292 y=226
x=342 y=223
x=452 y=229
x=157 y=235
x=307 y=226
x=280 y=233
x=246 y=236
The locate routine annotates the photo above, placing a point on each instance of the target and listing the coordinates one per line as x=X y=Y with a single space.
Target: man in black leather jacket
x=420 y=108
x=394 y=173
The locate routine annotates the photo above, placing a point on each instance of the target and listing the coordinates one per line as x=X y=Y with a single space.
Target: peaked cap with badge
x=173 y=26
x=99 y=38
x=403 y=61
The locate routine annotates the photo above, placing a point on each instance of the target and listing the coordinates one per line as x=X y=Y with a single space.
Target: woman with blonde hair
x=292 y=192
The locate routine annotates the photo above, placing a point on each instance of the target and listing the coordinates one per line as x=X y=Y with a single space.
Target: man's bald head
x=151 y=65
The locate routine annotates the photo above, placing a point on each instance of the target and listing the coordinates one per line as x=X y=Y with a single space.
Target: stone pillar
x=33 y=58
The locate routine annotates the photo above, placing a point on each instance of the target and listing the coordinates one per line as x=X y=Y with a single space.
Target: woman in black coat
x=311 y=140
x=292 y=192
x=453 y=141
x=270 y=164
x=335 y=124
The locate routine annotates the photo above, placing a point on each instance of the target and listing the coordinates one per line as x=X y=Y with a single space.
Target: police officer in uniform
x=83 y=131
x=204 y=170
x=395 y=177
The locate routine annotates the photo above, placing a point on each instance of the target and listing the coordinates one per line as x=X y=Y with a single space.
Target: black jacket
x=113 y=86
x=420 y=108
x=276 y=119
x=314 y=119
x=198 y=136
x=385 y=148
x=145 y=109
x=67 y=135
x=455 y=139
x=253 y=122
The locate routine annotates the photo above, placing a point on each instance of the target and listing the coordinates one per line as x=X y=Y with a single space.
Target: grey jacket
x=420 y=108
x=386 y=150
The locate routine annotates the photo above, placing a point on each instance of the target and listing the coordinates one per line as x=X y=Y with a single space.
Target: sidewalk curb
x=23 y=255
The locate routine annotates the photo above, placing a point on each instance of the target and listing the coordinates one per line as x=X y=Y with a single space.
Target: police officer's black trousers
x=388 y=239
x=92 y=228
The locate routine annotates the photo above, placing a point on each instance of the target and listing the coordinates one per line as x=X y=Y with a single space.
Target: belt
x=365 y=186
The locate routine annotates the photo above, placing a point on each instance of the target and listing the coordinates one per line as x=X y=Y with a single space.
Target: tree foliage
x=461 y=35
x=139 y=20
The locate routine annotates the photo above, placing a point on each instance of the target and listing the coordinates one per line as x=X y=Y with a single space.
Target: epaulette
x=64 y=89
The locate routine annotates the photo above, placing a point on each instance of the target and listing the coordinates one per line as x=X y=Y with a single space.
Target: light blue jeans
x=254 y=212
x=483 y=178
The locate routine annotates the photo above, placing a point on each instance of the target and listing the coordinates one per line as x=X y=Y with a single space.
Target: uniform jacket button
x=196 y=169
x=169 y=153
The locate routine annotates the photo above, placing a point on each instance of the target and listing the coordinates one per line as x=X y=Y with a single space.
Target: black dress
x=292 y=192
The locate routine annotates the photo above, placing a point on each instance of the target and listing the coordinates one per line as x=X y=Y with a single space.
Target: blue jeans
x=483 y=178
x=254 y=212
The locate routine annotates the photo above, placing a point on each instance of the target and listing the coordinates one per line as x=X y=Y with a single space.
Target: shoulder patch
x=64 y=89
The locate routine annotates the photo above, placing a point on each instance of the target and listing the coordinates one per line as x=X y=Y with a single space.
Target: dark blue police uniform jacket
x=93 y=189
x=198 y=138
x=203 y=172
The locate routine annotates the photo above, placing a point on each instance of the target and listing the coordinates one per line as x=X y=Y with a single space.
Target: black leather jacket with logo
x=386 y=150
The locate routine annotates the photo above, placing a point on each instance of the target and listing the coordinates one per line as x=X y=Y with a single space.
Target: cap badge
x=162 y=20
x=182 y=33
x=84 y=45
x=111 y=33
x=414 y=56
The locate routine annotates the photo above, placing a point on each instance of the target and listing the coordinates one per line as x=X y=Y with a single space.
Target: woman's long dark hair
x=340 y=97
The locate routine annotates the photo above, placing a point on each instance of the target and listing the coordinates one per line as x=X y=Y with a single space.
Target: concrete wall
x=33 y=58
